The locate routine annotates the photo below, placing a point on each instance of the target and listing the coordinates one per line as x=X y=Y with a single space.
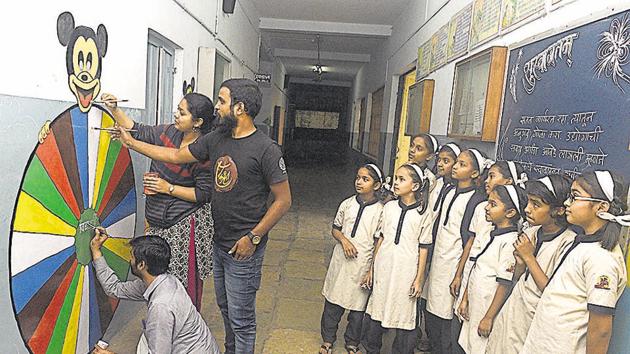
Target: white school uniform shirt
x=452 y=232
x=360 y=223
x=588 y=278
x=480 y=229
x=404 y=229
x=513 y=322
x=493 y=265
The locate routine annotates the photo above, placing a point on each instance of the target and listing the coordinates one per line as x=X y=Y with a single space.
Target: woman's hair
x=618 y=206
x=422 y=194
x=506 y=199
x=504 y=170
x=561 y=185
x=380 y=193
x=200 y=106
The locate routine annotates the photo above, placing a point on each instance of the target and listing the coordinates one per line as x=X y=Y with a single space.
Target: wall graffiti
x=77 y=178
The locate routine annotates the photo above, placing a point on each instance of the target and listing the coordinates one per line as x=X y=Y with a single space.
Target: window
x=160 y=71
x=221 y=72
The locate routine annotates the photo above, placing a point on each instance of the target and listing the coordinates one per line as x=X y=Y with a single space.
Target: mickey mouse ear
x=65 y=26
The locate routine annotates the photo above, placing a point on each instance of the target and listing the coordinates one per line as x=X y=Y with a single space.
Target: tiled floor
x=289 y=302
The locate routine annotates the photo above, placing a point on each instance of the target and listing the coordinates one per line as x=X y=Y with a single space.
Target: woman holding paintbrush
x=178 y=196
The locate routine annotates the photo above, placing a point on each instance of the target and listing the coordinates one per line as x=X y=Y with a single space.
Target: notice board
x=566 y=110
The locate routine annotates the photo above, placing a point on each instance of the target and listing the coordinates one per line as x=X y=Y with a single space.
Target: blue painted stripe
x=95 y=319
x=25 y=284
x=125 y=208
x=80 y=132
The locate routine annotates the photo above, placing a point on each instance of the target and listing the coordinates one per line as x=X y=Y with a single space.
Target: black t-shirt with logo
x=243 y=170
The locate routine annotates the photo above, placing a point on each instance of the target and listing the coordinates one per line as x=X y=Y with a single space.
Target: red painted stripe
x=49 y=155
x=117 y=172
x=41 y=338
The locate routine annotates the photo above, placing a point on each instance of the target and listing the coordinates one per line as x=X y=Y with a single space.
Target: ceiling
x=349 y=31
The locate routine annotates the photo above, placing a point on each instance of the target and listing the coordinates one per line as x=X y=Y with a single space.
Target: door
x=402 y=145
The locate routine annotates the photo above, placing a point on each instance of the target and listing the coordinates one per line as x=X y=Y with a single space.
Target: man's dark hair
x=154 y=251
x=247 y=92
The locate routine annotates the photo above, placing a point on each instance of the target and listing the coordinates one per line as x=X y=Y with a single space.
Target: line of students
x=494 y=258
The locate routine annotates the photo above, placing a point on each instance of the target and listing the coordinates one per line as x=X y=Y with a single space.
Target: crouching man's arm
x=132 y=290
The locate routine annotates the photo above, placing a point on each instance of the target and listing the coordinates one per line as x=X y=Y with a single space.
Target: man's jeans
x=235 y=285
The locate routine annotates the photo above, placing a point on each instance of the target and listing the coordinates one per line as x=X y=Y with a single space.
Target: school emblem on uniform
x=225 y=174
x=282 y=166
x=510 y=269
x=603 y=282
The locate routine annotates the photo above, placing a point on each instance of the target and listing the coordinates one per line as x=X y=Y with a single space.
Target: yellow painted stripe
x=103 y=146
x=32 y=216
x=70 y=342
x=120 y=246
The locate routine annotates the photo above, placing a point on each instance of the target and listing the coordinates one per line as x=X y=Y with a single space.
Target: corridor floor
x=289 y=302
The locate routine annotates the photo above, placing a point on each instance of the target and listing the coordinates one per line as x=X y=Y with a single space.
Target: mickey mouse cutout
x=84 y=54
x=186 y=89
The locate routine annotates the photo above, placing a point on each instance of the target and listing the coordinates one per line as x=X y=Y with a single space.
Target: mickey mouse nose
x=84 y=77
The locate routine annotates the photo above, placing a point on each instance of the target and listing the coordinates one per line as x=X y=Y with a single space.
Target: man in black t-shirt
x=247 y=165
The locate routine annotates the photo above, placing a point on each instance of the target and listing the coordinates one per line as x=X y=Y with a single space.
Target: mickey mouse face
x=84 y=53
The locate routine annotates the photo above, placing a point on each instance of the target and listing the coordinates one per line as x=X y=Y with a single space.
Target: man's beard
x=226 y=124
x=134 y=269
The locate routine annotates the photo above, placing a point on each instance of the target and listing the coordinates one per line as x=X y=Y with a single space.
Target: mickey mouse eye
x=81 y=61
x=89 y=62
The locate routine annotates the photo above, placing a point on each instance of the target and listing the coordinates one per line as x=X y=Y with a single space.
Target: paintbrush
x=109 y=101
x=113 y=129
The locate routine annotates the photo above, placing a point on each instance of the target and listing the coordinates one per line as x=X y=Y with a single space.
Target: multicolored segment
x=76 y=180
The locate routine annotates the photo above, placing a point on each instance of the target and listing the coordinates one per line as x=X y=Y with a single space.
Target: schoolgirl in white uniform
x=454 y=220
x=500 y=173
x=446 y=158
x=538 y=252
x=575 y=312
x=355 y=228
x=399 y=261
x=491 y=276
x=422 y=149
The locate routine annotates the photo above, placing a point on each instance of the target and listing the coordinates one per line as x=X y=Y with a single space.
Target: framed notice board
x=566 y=110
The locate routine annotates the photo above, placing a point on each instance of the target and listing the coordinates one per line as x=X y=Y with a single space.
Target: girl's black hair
x=504 y=169
x=504 y=196
x=200 y=106
x=618 y=206
x=380 y=193
x=447 y=149
x=562 y=187
x=423 y=192
x=478 y=182
x=427 y=141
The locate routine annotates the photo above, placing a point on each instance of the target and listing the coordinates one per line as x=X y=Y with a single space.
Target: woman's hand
x=462 y=309
x=366 y=283
x=524 y=247
x=348 y=249
x=156 y=184
x=110 y=101
x=122 y=135
x=455 y=285
x=485 y=327
x=416 y=288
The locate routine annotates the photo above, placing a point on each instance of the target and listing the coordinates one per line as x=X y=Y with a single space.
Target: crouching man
x=173 y=325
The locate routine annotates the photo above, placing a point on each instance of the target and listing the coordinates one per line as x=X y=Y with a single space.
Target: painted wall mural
x=77 y=179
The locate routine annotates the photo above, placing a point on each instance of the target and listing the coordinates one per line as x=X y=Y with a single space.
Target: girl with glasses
x=575 y=312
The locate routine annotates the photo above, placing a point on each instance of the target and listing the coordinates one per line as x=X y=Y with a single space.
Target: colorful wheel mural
x=76 y=180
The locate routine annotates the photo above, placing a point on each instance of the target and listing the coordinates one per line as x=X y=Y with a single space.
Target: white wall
x=417 y=23
x=37 y=67
x=274 y=94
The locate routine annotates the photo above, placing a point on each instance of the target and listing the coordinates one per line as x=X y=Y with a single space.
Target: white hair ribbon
x=605 y=180
x=377 y=170
x=455 y=148
x=518 y=180
x=482 y=162
x=434 y=141
x=418 y=170
x=514 y=197
x=623 y=220
x=547 y=182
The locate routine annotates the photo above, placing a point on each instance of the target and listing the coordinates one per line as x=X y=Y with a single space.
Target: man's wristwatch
x=171 y=188
x=255 y=238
